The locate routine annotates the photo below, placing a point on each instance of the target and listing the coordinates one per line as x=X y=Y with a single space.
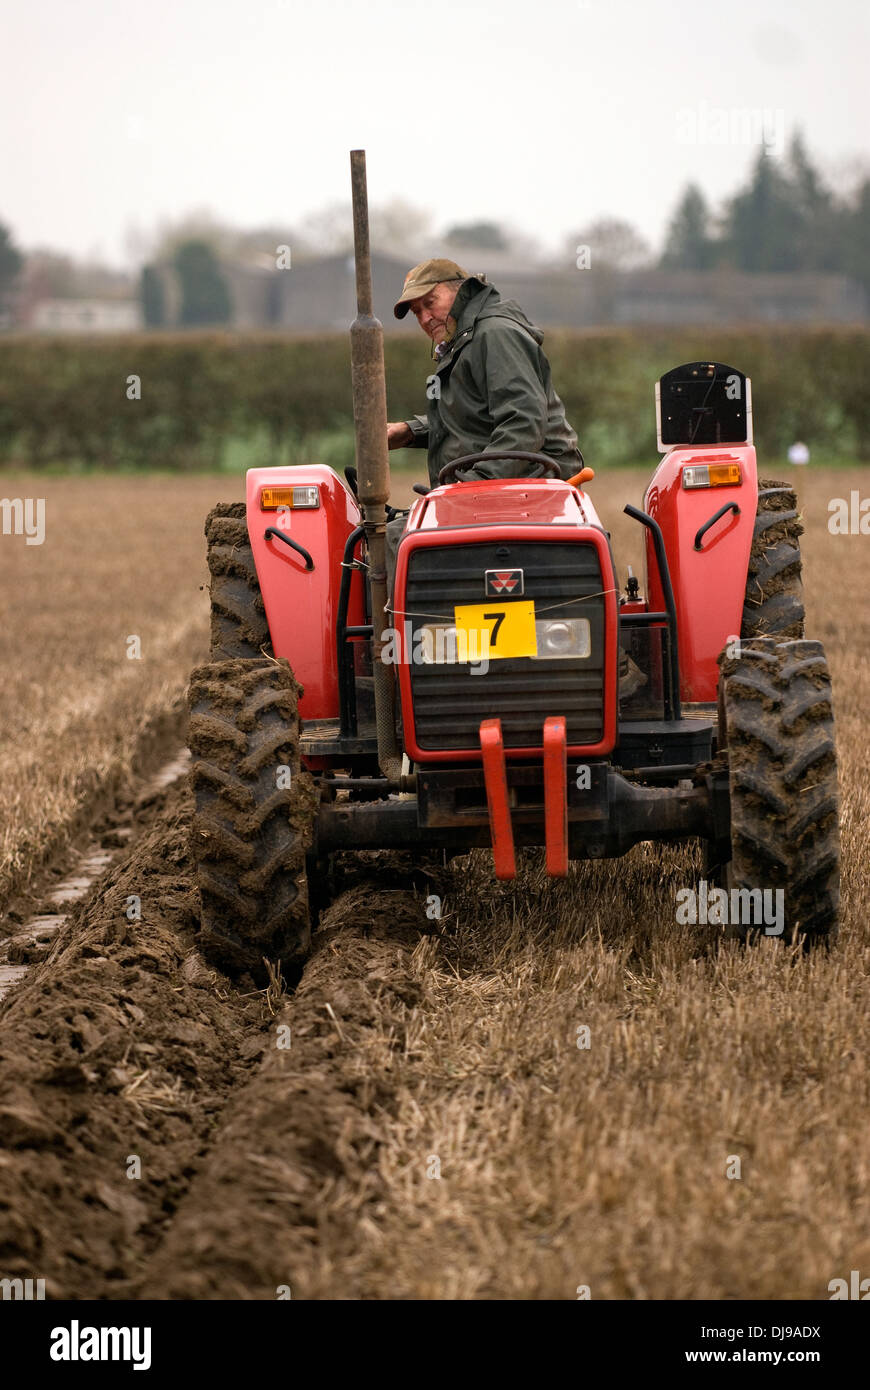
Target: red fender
x=301 y=604
x=709 y=584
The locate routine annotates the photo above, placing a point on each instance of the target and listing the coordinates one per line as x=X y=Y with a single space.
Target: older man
x=491 y=388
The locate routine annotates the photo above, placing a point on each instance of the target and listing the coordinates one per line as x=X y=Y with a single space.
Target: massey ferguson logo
x=503 y=582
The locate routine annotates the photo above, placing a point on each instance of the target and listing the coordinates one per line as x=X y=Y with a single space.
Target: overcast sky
x=540 y=113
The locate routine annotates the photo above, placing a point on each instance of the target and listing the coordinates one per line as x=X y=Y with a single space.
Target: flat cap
x=423 y=278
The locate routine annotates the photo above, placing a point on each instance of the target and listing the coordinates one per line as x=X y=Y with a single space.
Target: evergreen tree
x=760 y=223
x=151 y=297
x=11 y=262
x=818 y=228
x=857 y=247
x=688 y=244
x=205 y=298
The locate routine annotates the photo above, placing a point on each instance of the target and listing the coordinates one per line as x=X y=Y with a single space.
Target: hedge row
x=65 y=400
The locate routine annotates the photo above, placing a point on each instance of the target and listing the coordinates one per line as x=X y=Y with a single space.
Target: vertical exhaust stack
x=367 y=364
x=373 y=468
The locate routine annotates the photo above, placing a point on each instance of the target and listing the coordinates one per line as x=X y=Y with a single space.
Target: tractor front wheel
x=254 y=814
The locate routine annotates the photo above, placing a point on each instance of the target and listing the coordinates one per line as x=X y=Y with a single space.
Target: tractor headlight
x=563 y=637
x=440 y=644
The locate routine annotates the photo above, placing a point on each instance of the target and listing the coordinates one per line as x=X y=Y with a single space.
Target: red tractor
x=481 y=703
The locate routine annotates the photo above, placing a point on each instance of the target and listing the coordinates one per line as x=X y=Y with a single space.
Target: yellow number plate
x=508 y=627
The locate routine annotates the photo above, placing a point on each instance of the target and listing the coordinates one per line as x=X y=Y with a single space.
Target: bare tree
x=612 y=244
x=400 y=228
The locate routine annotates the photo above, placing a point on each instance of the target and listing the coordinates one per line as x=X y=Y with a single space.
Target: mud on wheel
x=776 y=723
x=238 y=617
x=773 y=604
x=254 y=812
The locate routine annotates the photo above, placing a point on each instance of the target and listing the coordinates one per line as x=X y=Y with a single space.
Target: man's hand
x=399 y=435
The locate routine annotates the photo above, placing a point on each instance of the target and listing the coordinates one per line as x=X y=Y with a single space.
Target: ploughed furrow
x=120 y=1049
x=33 y=921
x=299 y=1144
x=117 y=1051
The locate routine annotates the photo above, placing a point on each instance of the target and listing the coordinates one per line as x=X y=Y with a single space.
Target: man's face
x=433 y=309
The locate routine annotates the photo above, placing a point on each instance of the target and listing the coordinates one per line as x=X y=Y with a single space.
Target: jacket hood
x=477 y=300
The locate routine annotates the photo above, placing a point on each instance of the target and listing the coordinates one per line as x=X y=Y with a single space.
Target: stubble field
x=433 y=1131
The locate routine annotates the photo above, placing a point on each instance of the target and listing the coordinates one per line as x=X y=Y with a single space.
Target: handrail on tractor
x=346 y=685
x=670 y=605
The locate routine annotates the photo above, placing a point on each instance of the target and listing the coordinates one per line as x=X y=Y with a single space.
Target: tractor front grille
x=450 y=702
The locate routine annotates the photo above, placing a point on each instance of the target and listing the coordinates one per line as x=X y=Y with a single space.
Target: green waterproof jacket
x=492 y=390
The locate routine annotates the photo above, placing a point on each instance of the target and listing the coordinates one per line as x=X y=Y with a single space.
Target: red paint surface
x=302 y=605
x=556 y=795
x=710 y=584
x=503 y=501
x=495 y=777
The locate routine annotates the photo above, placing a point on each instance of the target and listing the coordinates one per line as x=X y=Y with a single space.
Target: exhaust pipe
x=373 y=468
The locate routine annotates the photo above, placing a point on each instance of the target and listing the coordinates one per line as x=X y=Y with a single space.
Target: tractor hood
x=508 y=501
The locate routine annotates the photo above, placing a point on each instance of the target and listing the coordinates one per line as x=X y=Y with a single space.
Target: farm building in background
x=317 y=296
x=84 y=316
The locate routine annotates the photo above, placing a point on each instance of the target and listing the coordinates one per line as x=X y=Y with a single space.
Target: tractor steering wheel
x=550 y=467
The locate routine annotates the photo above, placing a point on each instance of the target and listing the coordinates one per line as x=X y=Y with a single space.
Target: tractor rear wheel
x=254 y=813
x=238 y=617
x=777 y=728
x=773 y=603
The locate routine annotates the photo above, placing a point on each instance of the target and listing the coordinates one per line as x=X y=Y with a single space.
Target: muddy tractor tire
x=777 y=728
x=238 y=618
x=254 y=814
x=773 y=604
